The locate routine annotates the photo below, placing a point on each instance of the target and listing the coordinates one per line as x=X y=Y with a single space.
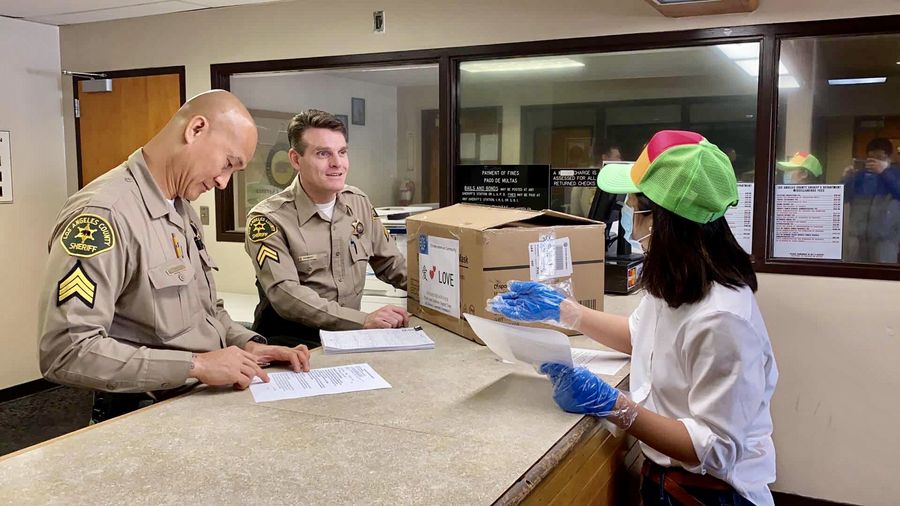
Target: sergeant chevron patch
x=76 y=284
x=264 y=253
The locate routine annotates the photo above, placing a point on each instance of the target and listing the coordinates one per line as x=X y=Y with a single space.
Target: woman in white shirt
x=702 y=368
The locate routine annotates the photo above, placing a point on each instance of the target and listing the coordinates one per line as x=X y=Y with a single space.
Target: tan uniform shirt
x=312 y=270
x=129 y=293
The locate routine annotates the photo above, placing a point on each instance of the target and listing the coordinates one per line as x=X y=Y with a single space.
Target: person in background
x=311 y=244
x=872 y=207
x=604 y=151
x=701 y=410
x=802 y=168
x=129 y=305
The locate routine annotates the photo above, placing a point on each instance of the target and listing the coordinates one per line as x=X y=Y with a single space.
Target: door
x=111 y=125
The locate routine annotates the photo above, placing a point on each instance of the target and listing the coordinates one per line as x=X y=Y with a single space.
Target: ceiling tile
x=33 y=8
x=133 y=11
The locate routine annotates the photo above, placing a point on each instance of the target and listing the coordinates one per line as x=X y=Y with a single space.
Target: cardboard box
x=471 y=252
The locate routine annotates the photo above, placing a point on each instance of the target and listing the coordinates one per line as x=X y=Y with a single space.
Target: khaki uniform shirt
x=312 y=270
x=129 y=293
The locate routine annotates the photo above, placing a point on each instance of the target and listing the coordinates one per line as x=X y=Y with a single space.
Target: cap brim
x=789 y=165
x=616 y=178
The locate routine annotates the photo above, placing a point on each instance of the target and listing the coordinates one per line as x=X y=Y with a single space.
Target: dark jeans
x=109 y=405
x=653 y=494
x=292 y=341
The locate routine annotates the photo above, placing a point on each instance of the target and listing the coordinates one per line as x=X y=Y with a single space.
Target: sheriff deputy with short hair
x=129 y=305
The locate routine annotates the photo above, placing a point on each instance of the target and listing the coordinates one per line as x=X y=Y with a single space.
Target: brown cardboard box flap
x=478 y=217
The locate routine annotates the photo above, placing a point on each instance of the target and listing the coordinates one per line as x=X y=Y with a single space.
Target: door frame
x=115 y=74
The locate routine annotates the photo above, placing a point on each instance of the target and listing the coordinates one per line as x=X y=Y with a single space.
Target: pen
x=177 y=246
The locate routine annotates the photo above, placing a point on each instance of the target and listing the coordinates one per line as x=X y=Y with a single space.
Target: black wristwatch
x=259 y=339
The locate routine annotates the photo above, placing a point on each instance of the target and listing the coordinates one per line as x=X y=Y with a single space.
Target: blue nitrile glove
x=578 y=390
x=528 y=301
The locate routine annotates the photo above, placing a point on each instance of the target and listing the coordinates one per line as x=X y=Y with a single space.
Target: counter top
x=458 y=427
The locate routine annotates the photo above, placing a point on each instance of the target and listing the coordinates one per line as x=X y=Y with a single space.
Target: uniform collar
x=156 y=203
x=306 y=208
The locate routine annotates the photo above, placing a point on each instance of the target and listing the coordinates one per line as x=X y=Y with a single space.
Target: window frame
x=769 y=36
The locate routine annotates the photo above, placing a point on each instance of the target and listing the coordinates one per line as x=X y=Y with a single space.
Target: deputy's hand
x=528 y=301
x=877 y=166
x=229 y=366
x=578 y=390
x=848 y=171
x=387 y=317
x=298 y=356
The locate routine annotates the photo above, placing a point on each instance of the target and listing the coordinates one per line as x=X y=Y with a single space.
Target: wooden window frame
x=769 y=36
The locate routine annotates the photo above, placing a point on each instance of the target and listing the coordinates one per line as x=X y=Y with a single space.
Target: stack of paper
x=360 y=341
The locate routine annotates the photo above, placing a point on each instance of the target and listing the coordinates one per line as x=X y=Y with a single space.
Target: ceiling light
x=752 y=67
x=788 y=81
x=742 y=51
x=520 y=64
x=858 y=80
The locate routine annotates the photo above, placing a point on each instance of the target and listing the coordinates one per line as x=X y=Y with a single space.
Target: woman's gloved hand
x=528 y=301
x=578 y=390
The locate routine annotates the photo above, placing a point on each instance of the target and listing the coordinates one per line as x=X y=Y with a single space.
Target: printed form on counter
x=324 y=381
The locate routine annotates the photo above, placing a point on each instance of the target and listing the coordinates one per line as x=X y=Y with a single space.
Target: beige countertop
x=458 y=427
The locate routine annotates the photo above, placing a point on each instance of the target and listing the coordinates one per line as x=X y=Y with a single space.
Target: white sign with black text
x=740 y=217
x=809 y=221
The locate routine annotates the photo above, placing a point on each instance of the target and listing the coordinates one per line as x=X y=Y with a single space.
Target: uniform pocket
x=207 y=260
x=309 y=264
x=171 y=297
x=359 y=250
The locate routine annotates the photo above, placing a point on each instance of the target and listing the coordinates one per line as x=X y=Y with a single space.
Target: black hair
x=882 y=144
x=685 y=258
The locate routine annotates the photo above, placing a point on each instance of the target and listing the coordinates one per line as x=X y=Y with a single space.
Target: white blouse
x=710 y=365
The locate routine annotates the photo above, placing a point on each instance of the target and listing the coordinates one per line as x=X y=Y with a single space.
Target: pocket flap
x=313 y=262
x=206 y=259
x=175 y=272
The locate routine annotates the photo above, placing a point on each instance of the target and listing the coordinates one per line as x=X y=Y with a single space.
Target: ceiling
x=70 y=12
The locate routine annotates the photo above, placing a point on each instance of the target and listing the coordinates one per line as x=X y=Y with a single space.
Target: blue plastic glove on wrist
x=528 y=301
x=578 y=390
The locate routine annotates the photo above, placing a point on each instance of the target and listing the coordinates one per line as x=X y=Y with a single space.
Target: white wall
x=371 y=165
x=843 y=359
x=31 y=109
x=837 y=344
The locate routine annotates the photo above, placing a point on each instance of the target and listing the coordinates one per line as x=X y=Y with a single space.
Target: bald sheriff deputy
x=129 y=302
x=311 y=243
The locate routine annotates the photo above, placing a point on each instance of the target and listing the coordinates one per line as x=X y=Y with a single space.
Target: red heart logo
x=432 y=271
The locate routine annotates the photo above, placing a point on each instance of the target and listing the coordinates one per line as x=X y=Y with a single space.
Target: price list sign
x=740 y=217
x=526 y=186
x=809 y=221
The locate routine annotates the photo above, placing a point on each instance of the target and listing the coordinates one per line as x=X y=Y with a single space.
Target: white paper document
x=360 y=341
x=325 y=381
x=599 y=361
x=523 y=344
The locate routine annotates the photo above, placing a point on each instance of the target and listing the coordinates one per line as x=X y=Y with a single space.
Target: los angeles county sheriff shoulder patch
x=87 y=235
x=260 y=228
